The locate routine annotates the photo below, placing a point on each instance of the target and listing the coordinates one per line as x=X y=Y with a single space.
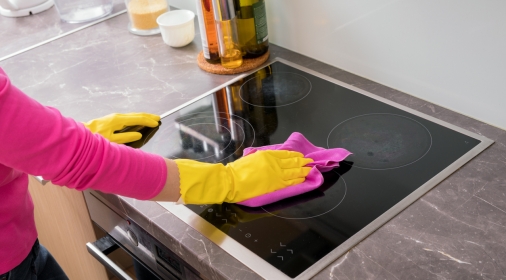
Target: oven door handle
x=103 y=259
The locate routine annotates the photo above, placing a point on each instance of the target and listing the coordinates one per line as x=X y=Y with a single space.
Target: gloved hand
x=260 y=173
x=109 y=126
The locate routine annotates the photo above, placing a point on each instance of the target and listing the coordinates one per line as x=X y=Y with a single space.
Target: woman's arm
x=170 y=191
x=38 y=140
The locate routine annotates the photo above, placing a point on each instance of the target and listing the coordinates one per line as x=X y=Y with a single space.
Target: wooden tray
x=248 y=64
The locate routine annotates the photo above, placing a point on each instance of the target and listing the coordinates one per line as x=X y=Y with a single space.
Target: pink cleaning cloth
x=324 y=160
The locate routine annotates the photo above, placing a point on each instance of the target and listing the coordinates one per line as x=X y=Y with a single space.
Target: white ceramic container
x=177 y=27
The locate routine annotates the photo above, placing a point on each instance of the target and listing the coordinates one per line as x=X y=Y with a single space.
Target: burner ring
x=381 y=141
x=293 y=212
x=276 y=90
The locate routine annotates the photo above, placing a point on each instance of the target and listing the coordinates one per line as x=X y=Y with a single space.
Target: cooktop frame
x=262 y=267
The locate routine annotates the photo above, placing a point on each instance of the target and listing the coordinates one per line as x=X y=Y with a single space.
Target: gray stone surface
x=20 y=33
x=456 y=231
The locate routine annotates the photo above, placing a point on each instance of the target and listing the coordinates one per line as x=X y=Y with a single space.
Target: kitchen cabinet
x=64 y=228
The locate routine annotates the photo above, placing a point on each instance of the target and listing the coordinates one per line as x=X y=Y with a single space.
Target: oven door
x=111 y=254
x=128 y=251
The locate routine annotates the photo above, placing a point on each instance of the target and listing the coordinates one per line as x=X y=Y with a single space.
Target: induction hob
x=398 y=155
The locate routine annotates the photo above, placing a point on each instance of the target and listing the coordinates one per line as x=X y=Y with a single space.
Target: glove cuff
x=203 y=183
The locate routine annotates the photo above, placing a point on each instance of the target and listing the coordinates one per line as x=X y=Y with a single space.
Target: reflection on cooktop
x=204 y=135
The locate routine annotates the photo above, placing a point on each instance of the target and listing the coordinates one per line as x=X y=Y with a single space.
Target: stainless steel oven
x=150 y=257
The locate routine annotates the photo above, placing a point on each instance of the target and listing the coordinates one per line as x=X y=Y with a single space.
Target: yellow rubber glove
x=259 y=173
x=109 y=126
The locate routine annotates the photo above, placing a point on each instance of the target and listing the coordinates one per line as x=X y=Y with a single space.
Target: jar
x=77 y=11
x=143 y=15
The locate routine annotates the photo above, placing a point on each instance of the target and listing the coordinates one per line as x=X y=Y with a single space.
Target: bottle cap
x=223 y=9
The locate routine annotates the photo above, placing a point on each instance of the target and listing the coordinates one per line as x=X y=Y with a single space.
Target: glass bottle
x=252 y=27
x=208 y=31
x=224 y=15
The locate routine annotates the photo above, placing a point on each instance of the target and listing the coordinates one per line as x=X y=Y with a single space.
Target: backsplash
x=450 y=53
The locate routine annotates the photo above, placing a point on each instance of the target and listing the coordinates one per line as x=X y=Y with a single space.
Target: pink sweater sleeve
x=38 y=140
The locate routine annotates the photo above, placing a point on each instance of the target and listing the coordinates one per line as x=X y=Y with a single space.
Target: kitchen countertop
x=21 y=33
x=455 y=231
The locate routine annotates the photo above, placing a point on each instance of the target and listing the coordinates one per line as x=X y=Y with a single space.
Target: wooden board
x=64 y=228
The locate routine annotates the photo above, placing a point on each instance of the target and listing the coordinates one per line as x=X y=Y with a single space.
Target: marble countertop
x=22 y=33
x=455 y=231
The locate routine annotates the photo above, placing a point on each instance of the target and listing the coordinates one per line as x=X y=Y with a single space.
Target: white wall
x=184 y=4
x=449 y=52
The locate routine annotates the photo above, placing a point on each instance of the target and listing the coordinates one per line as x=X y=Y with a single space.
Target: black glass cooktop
x=394 y=153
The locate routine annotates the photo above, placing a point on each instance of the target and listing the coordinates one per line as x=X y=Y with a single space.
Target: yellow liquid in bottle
x=230 y=53
x=232 y=58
